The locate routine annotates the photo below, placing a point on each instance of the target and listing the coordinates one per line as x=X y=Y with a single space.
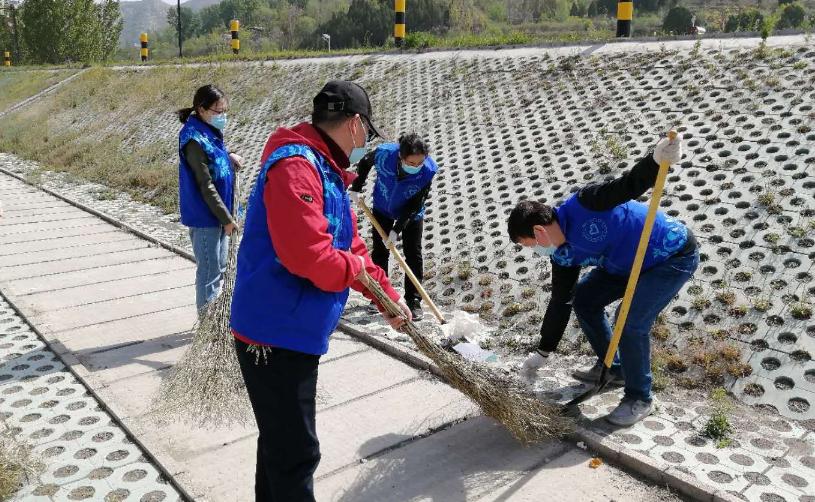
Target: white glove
x=354 y=196
x=535 y=360
x=392 y=236
x=669 y=151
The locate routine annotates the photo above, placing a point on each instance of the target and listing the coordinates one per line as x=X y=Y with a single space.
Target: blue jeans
x=210 y=246
x=656 y=287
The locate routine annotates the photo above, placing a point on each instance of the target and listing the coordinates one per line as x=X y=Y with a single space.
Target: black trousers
x=412 y=247
x=283 y=392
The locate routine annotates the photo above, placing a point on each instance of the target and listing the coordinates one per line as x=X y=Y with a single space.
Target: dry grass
x=500 y=397
x=17 y=85
x=17 y=466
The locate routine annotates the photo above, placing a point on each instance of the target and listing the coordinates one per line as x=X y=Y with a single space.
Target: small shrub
x=801 y=310
x=485 y=280
x=718 y=425
x=762 y=304
x=726 y=297
x=465 y=270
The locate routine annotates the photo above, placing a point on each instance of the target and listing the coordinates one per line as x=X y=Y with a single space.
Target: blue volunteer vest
x=609 y=239
x=270 y=305
x=390 y=193
x=194 y=211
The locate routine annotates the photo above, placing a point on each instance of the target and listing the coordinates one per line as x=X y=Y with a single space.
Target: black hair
x=526 y=215
x=205 y=97
x=326 y=119
x=412 y=144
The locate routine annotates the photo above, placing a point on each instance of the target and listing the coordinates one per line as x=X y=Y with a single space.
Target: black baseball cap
x=348 y=97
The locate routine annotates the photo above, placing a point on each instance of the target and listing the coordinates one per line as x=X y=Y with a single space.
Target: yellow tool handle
x=405 y=268
x=659 y=185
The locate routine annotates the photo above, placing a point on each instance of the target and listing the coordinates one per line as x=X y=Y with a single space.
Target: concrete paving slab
x=87 y=230
x=115 y=333
x=52 y=255
x=41 y=216
x=464 y=462
x=55 y=268
x=225 y=474
x=109 y=290
x=366 y=373
x=382 y=420
x=95 y=275
x=113 y=310
x=112 y=363
x=24 y=228
x=341 y=345
x=7 y=249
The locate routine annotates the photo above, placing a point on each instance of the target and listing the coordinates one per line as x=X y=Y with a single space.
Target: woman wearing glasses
x=206 y=171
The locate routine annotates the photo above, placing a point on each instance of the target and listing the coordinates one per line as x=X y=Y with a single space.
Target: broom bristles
x=528 y=419
x=206 y=387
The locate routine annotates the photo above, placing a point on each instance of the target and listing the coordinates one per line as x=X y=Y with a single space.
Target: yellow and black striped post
x=399 y=22
x=6 y=58
x=144 y=51
x=625 y=13
x=234 y=26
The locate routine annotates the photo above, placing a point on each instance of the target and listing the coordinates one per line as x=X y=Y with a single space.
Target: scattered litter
x=463 y=327
x=473 y=352
x=581 y=445
x=595 y=463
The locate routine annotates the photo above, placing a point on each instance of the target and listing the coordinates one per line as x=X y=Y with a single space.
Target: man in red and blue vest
x=600 y=226
x=299 y=256
x=404 y=171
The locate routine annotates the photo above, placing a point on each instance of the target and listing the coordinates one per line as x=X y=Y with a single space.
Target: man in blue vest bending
x=600 y=226
x=404 y=172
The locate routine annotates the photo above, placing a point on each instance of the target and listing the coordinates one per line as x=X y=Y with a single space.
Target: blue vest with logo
x=194 y=211
x=390 y=193
x=609 y=239
x=270 y=305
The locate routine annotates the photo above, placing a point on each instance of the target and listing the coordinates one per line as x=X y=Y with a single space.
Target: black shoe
x=371 y=309
x=416 y=311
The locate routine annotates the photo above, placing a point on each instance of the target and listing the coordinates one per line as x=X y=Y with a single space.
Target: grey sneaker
x=592 y=373
x=629 y=412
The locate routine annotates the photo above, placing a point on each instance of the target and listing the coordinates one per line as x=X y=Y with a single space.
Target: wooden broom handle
x=405 y=268
x=636 y=268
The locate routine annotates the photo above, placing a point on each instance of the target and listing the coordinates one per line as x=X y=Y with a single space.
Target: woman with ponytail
x=206 y=171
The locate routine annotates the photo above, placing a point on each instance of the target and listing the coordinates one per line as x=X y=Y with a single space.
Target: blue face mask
x=411 y=169
x=219 y=121
x=357 y=154
x=544 y=251
x=359 y=151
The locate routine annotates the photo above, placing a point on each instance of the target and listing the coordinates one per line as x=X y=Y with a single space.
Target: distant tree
x=792 y=16
x=190 y=22
x=679 y=20
x=749 y=20
x=575 y=10
x=592 y=10
x=59 y=31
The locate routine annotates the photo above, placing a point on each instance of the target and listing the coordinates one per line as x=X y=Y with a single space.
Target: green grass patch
x=17 y=85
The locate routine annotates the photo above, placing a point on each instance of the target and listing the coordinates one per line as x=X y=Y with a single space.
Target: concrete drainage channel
x=543 y=120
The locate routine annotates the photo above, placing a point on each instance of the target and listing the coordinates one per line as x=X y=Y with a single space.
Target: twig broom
x=206 y=387
x=527 y=418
